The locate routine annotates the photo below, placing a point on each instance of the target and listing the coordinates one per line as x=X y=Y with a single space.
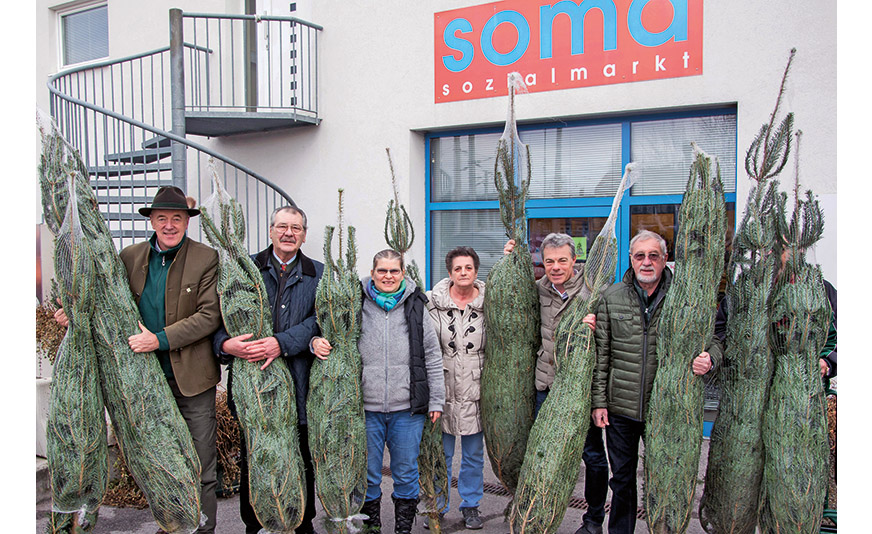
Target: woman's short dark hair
x=388 y=254
x=461 y=252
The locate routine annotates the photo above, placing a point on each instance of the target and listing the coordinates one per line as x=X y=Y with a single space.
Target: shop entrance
x=583 y=224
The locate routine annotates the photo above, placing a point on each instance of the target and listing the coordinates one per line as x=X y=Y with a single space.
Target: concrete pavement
x=131 y=521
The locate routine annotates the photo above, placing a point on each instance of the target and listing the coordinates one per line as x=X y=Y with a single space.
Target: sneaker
x=471 y=518
x=589 y=528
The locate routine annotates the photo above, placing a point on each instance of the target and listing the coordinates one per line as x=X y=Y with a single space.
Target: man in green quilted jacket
x=626 y=346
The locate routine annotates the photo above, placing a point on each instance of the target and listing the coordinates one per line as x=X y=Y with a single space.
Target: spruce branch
x=769 y=151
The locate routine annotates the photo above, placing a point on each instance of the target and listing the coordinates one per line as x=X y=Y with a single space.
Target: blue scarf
x=386 y=301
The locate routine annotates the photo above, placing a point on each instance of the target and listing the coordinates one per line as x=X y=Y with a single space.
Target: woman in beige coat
x=456 y=308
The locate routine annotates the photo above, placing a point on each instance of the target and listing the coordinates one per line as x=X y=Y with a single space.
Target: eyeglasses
x=282 y=228
x=392 y=272
x=653 y=257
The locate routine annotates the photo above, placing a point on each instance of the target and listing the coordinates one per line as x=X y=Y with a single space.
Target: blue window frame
x=579 y=164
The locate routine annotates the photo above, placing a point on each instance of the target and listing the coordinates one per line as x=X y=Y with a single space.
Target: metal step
x=123 y=200
x=124 y=216
x=99 y=183
x=127 y=170
x=139 y=156
x=135 y=234
x=157 y=142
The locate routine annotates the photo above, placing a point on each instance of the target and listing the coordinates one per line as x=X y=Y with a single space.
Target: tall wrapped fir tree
x=150 y=430
x=337 y=429
x=795 y=435
x=731 y=495
x=264 y=396
x=553 y=457
x=674 y=420
x=432 y=468
x=76 y=443
x=511 y=308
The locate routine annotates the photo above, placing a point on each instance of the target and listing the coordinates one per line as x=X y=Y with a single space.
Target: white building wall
x=376 y=77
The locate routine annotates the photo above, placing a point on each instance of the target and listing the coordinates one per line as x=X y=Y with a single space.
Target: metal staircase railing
x=119 y=115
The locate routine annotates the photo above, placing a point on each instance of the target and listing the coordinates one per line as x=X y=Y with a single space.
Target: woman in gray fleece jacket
x=402 y=383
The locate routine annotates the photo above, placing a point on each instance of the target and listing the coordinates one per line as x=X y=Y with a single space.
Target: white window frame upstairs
x=68 y=9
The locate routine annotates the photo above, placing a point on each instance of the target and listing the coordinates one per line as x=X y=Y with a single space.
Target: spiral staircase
x=221 y=75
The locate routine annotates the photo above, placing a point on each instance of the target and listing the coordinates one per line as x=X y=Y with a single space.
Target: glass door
x=583 y=224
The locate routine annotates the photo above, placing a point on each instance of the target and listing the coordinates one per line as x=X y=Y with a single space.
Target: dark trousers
x=596 y=469
x=622 y=438
x=199 y=414
x=246 y=512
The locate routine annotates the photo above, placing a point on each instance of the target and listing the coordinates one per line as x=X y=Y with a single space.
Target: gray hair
x=645 y=235
x=292 y=209
x=555 y=240
x=388 y=254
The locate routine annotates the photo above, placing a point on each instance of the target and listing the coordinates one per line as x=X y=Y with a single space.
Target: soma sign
x=564 y=44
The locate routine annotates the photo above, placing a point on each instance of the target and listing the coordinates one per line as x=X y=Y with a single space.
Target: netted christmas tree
x=511 y=308
x=731 y=495
x=553 y=456
x=337 y=428
x=77 y=448
x=432 y=468
x=148 y=425
x=794 y=421
x=674 y=418
x=265 y=398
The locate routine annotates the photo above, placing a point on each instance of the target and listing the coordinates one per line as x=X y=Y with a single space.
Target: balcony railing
x=246 y=73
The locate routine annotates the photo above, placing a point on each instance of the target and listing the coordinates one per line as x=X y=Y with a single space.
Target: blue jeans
x=401 y=432
x=470 y=483
x=596 y=469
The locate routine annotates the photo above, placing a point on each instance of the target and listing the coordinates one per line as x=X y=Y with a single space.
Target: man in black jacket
x=290 y=279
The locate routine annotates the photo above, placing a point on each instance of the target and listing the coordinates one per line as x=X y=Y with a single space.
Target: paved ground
x=130 y=521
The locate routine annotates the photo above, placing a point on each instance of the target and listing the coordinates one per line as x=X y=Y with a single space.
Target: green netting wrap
x=731 y=495
x=511 y=308
x=265 y=401
x=433 y=474
x=674 y=420
x=794 y=421
x=77 y=449
x=148 y=425
x=337 y=428
x=553 y=457
x=735 y=462
x=432 y=468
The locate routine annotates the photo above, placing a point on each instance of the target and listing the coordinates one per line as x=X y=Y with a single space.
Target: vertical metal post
x=250 y=40
x=177 y=97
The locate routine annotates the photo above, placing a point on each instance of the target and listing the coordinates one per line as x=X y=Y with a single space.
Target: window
x=84 y=33
x=576 y=168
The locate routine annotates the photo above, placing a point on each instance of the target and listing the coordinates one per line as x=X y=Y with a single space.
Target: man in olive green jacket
x=626 y=345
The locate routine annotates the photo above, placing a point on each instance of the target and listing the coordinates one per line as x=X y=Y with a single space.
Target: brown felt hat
x=169 y=197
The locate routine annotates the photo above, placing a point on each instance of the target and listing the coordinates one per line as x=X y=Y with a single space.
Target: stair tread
x=149 y=155
x=130 y=169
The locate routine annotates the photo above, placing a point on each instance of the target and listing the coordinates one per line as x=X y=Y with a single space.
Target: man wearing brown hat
x=173 y=279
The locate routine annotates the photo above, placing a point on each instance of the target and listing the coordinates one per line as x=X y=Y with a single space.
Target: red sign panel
x=563 y=45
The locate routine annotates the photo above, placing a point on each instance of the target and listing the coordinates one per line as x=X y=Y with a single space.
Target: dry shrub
x=48 y=332
x=228 y=444
x=124 y=493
